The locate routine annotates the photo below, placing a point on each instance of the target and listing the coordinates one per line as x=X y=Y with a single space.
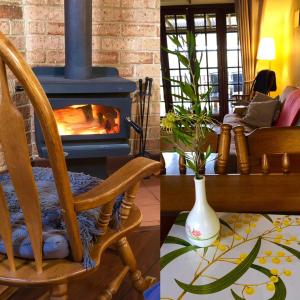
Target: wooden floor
x=145 y=243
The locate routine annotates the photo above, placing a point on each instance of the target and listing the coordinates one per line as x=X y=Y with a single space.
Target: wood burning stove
x=91 y=114
x=90 y=104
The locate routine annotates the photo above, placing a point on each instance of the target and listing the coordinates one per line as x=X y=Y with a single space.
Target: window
x=217 y=44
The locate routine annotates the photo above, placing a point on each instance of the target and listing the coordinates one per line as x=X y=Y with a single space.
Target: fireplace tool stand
x=141 y=128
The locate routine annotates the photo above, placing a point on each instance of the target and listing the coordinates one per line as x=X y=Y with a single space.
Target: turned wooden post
x=181 y=163
x=241 y=150
x=265 y=167
x=128 y=201
x=223 y=149
x=128 y=258
x=285 y=163
x=105 y=215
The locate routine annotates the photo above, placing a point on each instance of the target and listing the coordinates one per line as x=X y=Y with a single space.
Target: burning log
x=88 y=112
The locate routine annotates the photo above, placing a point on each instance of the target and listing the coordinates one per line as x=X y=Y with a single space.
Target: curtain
x=249 y=13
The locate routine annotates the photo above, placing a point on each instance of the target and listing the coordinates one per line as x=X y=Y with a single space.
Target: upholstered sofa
x=289 y=115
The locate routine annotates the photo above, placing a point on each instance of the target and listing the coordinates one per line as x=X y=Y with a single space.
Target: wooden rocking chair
x=18 y=272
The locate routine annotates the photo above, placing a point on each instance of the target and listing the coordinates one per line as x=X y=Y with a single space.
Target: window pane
x=200 y=41
x=203 y=76
x=175 y=90
x=211 y=41
x=173 y=61
x=203 y=89
x=199 y=21
x=181 y=23
x=215 y=107
x=211 y=22
x=214 y=94
x=232 y=40
x=175 y=74
x=212 y=58
x=232 y=58
x=185 y=74
x=231 y=21
x=170 y=44
x=213 y=76
x=232 y=75
x=170 y=23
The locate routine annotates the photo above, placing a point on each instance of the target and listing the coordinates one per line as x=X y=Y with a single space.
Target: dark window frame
x=221 y=10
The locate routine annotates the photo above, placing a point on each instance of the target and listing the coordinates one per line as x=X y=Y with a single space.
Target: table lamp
x=266 y=49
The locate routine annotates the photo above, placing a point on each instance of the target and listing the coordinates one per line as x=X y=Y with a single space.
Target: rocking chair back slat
x=5 y=230
x=16 y=63
x=15 y=148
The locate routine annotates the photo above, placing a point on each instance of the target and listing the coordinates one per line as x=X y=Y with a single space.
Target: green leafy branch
x=190 y=126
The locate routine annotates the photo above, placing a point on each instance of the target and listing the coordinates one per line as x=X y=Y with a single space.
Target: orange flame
x=87 y=119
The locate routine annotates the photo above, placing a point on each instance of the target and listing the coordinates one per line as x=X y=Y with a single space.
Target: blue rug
x=55 y=243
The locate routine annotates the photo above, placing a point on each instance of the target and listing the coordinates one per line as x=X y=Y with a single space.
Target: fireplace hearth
x=90 y=104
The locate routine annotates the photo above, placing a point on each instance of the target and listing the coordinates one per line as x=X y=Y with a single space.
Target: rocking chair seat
x=56 y=271
x=55 y=242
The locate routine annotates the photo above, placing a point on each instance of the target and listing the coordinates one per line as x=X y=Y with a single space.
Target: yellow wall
x=278 y=21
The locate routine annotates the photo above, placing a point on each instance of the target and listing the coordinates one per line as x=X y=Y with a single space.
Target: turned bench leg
x=140 y=284
x=59 y=292
x=162 y=164
x=181 y=164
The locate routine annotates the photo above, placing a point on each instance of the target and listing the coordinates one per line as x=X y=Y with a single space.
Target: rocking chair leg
x=128 y=258
x=114 y=285
x=59 y=292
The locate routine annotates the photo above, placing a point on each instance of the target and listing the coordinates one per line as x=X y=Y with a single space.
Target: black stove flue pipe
x=78 y=39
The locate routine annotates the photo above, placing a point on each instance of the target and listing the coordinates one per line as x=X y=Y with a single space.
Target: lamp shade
x=266 y=49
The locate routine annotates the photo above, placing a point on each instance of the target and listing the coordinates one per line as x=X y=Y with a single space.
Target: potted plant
x=187 y=128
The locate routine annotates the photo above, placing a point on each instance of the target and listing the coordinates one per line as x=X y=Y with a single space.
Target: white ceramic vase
x=202 y=224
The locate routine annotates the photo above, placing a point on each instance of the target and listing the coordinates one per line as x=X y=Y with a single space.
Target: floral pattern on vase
x=202 y=224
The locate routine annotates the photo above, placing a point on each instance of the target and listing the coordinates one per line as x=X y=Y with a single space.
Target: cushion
x=55 y=243
x=259 y=97
x=290 y=110
x=286 y=92
x=260 y=114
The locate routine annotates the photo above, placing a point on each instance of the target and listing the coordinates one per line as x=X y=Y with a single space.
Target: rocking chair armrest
x=117 y=184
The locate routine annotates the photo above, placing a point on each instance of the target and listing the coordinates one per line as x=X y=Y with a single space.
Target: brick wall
x=125 y=35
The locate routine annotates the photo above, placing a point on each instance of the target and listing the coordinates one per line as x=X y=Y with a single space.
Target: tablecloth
x=257 y=256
